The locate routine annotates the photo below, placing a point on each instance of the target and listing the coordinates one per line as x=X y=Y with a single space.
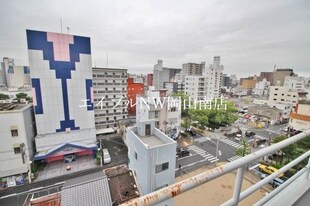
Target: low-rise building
x=279 y=76
x=300 y=117
x=151 y=156
x=165 y=110
x=17 y=131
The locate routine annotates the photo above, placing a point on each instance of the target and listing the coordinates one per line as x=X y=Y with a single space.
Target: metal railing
x=239 y=165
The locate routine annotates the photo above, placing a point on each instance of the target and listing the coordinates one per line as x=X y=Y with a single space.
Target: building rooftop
x=92 y=189
x=12 y=106
x=151 y=140
x=122 y=184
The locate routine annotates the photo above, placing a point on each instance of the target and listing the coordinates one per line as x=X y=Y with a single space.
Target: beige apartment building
x=300 y=118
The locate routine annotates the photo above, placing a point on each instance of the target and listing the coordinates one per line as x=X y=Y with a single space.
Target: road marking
x=11 y=195
x=190 y=155
x=214 y=160
x=231 y=143
x=34 y=189
x=206 y=155
x=251 y=168
x=233 y=158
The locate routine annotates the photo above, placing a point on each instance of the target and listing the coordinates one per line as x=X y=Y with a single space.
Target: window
x=136 y=155
x=276 y=89
x=162 y=167
x=107 y=118
x=17 y=150
x=14 y=132
x=107 y=111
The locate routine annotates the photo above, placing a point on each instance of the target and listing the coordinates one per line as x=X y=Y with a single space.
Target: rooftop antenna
x=60 y=25
x=68 y=29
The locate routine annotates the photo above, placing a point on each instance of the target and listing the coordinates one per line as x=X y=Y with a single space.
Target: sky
x=250 y=36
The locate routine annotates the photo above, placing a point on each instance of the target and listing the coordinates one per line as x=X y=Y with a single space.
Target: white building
x=15 y=76
x=163 y=74
x=294 y=82
x=17 y=136
x=208 y=85
x=300 y=118
x=261 y=88
x=282 y=95
x=151 y=156
x=165 y=110
x=61 y=76
x=110 y=96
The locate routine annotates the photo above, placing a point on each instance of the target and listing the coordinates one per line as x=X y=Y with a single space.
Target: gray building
x=110 y=98
x=151 y=156
x=193 y=68
x=163 y=74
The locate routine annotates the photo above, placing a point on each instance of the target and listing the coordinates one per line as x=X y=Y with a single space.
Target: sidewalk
x=215 y=192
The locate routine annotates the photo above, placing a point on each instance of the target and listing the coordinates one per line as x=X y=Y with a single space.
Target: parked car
x=191 y=132
x=249 y=134
x=182 y=152
x=106 y=156
x=269 y=169
x=276 y=182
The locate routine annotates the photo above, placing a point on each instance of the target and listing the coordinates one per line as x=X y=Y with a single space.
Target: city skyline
x=253 y=37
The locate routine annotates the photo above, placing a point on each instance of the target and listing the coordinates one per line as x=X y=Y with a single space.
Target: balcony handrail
x=192 y=182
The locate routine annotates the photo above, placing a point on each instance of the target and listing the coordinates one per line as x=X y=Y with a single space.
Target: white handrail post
x=238 y=185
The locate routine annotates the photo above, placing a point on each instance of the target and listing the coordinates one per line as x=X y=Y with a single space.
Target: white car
x=106 y=156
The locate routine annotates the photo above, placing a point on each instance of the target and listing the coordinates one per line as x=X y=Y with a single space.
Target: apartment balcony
x=294 y=191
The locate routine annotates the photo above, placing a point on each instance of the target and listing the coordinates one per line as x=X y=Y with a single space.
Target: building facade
x=261 y=88
x=133 y=89
x=151 y=156
x=110 y=96
x=282 y=95
x=62 y=88
x=14 y=76
x=208 y=85
x=165 y=110
x=279 y=76
x=191 y=69
x=17 y=131
x=300 y=117
x=163 y=74
x=149 y=79
x=294 y=82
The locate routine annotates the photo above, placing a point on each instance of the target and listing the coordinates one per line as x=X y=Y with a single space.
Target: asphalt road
x=16 y=196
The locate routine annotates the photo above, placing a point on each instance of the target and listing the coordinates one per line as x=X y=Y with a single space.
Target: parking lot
x=58 y=168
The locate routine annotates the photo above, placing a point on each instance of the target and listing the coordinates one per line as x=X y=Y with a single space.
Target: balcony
x=295 y=190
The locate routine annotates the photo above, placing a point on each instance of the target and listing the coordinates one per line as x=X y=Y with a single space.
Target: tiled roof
x=88 y=190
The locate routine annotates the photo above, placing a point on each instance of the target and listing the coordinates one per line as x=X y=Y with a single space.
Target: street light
x=29 y=172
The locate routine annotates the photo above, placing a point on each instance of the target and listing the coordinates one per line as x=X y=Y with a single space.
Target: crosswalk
x=233 y=158
x=231 y=143
x=202 y=153
x=202 y=139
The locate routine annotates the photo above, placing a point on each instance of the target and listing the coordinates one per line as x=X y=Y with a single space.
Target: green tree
x=21 y=96
x=244 y=150
x=184 y=101
x=186 y=123
x=4 y=96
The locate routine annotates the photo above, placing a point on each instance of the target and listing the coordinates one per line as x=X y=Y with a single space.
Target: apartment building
x=282 y=95
x=17 y=131
x=165 y=110
x=208 y=85
x=163 y=74
x=151 y=156
x=149 y=79
x=110 y=97
x=191 y=69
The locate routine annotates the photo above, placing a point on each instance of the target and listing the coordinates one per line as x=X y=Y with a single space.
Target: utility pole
x=101 y=152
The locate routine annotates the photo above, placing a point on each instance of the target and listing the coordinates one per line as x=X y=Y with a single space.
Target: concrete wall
x=11 y=163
